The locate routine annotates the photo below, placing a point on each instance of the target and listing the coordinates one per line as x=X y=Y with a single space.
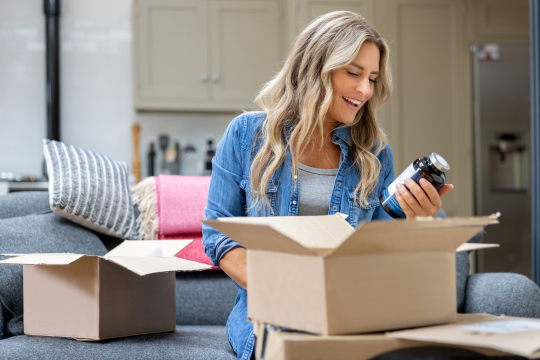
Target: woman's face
x=353 y=84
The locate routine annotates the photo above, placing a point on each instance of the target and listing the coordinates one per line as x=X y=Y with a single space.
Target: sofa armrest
x=502 y=294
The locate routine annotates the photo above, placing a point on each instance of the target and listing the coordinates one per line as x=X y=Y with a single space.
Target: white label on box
x=503 y=326
x=157 y=252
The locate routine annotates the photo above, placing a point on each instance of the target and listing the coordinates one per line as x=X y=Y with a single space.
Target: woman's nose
x=364 y=87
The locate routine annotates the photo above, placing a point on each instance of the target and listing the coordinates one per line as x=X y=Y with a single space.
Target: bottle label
x=389 y=195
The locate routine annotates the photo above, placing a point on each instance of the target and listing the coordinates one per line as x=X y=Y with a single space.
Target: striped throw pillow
x=90 y=189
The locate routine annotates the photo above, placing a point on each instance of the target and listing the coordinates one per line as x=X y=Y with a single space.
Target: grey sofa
x=203 y=299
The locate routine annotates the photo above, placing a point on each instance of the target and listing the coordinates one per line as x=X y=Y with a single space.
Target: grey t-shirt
x=316 y=186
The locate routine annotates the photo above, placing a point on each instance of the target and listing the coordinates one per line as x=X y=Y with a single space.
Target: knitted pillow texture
x=90 y=189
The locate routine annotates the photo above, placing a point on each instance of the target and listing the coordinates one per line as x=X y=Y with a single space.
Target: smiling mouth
x=354 y=103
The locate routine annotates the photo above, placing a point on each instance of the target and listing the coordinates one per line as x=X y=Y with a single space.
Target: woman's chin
x=347 y=120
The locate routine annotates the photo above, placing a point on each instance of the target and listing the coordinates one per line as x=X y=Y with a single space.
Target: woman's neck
x=321 y=153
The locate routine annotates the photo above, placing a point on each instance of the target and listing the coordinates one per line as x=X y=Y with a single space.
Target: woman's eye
x=352 y=74
x=373 y=80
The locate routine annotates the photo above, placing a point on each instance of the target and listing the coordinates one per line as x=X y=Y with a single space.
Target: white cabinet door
x=245 y=50
x=171 y=53
x=429 y=105
x=307 y=10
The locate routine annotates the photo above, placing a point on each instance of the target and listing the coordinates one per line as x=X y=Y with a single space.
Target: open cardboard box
x=318 y=274
x=129 y=291
x=447 y=340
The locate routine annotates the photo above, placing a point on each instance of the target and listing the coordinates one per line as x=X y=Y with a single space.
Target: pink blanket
x=181 y=201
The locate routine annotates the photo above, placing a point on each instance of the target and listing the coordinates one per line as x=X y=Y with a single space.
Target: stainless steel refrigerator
x=501 y=97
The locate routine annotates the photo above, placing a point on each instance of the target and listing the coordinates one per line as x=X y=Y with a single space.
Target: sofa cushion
x=204 y=298
x=47 y=232
x=24 y=203
x=90 y=189
x=502 y=294
x=187 y=342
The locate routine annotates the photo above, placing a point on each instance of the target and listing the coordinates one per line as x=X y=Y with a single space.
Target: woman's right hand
x=234 y=264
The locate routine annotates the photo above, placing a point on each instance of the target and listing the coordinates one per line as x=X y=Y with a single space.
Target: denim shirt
x=230 y=195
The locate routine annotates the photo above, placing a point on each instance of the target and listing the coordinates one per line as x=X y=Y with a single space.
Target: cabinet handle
x=215 y=77
x=204 y=77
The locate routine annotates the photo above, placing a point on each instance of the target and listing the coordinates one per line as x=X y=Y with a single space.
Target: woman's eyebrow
x=362 y=68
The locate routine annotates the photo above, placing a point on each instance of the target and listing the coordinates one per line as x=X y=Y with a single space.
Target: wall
x=96 y=100
x=22 y=86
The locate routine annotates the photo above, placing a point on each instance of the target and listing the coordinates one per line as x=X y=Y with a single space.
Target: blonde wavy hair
x=297 y=99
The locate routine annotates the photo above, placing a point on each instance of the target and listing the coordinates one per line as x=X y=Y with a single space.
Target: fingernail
x=407 y=180
x=452 y=186
x=423 y=182
x=398 y=185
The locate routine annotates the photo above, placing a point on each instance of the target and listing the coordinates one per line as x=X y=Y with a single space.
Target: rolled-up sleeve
x=225 y=197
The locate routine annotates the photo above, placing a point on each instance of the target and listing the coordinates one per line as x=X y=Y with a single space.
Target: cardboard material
x=277 y=344
x=518 y=336
x=129 y=291
x=318 y=274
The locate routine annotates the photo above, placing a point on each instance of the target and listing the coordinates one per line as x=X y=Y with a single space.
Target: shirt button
x=339 y=183
x=334 y=207
x=294 y=202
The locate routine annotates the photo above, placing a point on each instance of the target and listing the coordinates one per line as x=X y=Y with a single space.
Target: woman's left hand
x=426 y=200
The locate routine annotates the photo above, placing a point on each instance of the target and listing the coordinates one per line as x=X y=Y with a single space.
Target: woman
x=315 y=149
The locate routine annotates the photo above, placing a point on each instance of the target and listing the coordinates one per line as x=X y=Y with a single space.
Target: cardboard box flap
x=407 y=236
x=311 y=232
x=42 y=259
x=150 y=265
x=520 y=336
x=331 y=235
x=475 y=246
x=430 y=223
x=149 y=248
x=257 y=236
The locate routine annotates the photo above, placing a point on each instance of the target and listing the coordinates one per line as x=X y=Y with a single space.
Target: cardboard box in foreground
x=513 y=335
x=129 y=291
x=318 y=274
x=276 y=344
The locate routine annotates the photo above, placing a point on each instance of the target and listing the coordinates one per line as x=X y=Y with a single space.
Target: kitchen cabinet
x=204 y=55
x=498 y=20
x=428 y=110
x=307 y=10
x=215 y=55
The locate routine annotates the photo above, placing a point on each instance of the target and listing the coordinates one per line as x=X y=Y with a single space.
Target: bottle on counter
x=209 y=154
x=151 y=160
x=163 y=145
x=432 y=169
x=172 y=157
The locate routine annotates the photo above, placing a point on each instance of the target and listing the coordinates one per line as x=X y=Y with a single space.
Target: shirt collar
x=342 y=133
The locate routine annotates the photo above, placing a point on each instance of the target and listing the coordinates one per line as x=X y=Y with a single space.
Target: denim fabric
x=230 y=195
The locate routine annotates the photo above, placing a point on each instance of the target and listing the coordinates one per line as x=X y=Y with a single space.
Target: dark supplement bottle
x=432 y=169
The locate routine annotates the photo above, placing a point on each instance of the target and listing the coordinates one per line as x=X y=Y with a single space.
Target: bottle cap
x=439 y=162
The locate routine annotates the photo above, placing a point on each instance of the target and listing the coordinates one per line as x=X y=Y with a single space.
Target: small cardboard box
x=318 y=274
x=277 y=344
x=129 y=291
